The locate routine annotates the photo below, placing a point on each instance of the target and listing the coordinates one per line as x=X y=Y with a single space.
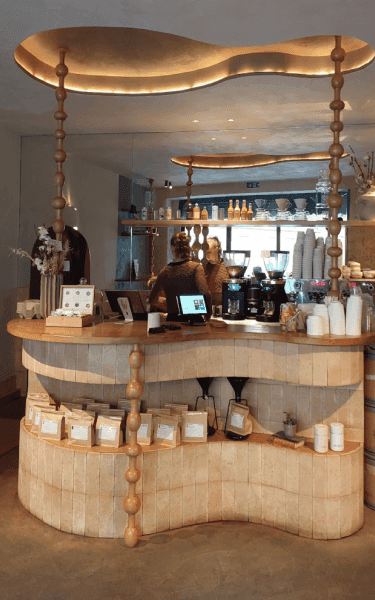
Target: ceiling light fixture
x=243 y=137
x=170 y=185
x=230 y=119
x=213 y=139
x=166 y=183
x=195 y=121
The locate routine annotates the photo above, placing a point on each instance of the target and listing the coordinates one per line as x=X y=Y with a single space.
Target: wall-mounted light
x=170 y=185
x=166 y=183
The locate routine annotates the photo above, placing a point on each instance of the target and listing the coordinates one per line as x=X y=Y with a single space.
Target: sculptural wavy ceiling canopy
x=240 y=161
x=116 y=60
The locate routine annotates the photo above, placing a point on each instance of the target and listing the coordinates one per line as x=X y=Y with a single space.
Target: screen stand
x=192 y=322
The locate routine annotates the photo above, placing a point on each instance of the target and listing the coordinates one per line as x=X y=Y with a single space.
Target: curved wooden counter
x=136 y=333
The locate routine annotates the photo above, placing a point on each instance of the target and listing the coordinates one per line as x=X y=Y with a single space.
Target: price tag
x=106 y=432
x=165 y=432
x=142 y=431
x=236 y=420
x=49 y=426
x=80 y=432
x=194 y=430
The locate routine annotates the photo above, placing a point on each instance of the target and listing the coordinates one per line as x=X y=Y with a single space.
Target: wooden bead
x=337 y=105
x=58 y=226
x=132 y=504
x=337 y=81
x=131 y=536
x=334 y=200
x=335 y=176
x=336 y=126
x=135 y=359
x=338 y=54
x=334 y=251
x=334 y=227
x=132 y=475
x=59 y=155
x=133 y=421
x=61 y=94
x=60 y=134
x=336 y=149
x=134 y=389
x=58 y=179
x=133 y=450
x=58 y=203
x=60 y=115
x=61 y=70
x=334 y=272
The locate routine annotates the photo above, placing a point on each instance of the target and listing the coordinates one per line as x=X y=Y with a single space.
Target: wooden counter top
x=136 y=332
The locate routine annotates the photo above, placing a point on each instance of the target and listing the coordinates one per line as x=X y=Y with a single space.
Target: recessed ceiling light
x=230 y=119
x=243 y=137
x=195 y=121
x=213 y=139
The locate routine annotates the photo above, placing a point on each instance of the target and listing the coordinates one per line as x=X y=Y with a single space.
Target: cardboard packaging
x=194 y=427
x=33 y=399
x=51 y=425
x=80 y=430
x=108 y=431
x=177 y=409
x=145 y=431
x=37 y=410
x=167 y=431
x=239 y=419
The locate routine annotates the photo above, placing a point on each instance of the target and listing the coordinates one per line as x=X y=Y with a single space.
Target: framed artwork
x=126 y=309
x=78 y=297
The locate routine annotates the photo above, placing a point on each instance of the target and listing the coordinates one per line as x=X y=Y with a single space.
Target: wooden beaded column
x=204 y=245
x=336 y=150
x=189 y=206
x=59 y=156
x=132 y=502
x=152 y=239
x=196 y=245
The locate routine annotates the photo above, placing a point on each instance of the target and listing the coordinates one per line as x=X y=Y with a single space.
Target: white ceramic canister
x=321 y=438
x=337 y=437
x=215 y=212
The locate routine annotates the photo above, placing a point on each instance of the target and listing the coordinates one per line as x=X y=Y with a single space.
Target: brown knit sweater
x=215 y=275
x=186 y=277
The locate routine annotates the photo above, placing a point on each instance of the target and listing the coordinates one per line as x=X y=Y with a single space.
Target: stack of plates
x=262 y=214
x=318 y=262
x=327 y=259
x=308 y=250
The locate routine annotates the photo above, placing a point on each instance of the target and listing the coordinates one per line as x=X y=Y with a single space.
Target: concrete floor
x=217 y=561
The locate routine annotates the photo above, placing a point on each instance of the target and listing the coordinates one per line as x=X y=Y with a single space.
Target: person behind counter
x=215 y=270
x=182 y=276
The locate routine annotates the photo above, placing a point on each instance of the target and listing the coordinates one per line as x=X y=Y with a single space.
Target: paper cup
x=315 y=325
x=336 y=318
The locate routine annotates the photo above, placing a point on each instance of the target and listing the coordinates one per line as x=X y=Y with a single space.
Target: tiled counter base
x=81 y=490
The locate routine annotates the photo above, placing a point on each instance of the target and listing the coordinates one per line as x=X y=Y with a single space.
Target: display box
x=78 y=297
x=145 y=431
x=51 y=425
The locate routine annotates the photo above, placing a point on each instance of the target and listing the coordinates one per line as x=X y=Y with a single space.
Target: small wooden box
x=57 y=321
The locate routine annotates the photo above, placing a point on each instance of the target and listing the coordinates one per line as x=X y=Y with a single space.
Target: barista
x=182 y=276
x=215 y=270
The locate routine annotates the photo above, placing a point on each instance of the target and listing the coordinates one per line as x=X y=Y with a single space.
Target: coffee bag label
x=37 y=418
x=31 y=413
x=80 y=432
x=236 y=420
x=165 y=432
x=49 y=426
x=142 y=431
x=106 y=432
x=194 y=430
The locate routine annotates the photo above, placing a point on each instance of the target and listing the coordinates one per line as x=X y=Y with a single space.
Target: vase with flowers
x=364 y=177
x=50 y=263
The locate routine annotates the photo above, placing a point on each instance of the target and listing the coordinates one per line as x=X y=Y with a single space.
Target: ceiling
x=272 y=114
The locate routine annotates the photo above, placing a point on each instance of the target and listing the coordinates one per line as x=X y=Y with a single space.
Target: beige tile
x=69 y=370
x=34 y=455
x=92 y=473
x=345 y=474
x=95 y=364
x=357 y=471
x=109 y=364
x=188 y=465
x=175 y=515
x=303 y=408
x=333 y=518
x=356 y=364
x=149 y=513
x=241 y=358
x=66 y=518
x=190 y=360
x=214 y=501
x=41 y=445
x=67 y=475
x=176 y=467
x=255 y=503
x=121 y=465
x=354 y=435
x=201 y=463
x=292 y=471
x=268 y=505
x=316 y=407
x=163 y=470
x=39 y=499
x=320 y=479
x=291 y=512
x=319 y=518
x=277 y=404
x=345 y=365
x=162 y=510
x=56 y=508
x=356 y=409
x=215 y=359
x=106 y=516
x=122 y=364
x=255 y=361
x=188 y=505
x=82 y=356
x=255 y=463
x=268 y=466
x=347 y=511
x=268 y=359
x=33 y=494
x=305 y=505
x=202 y=353
x=241 y=494
x=79 y=473
x=165 y=362
x=150 y=462
x=79 y=513
x=279 y=473
x=305 y=474
x=357 y=520
x=280 y=361
x=333 y=476
x=334 y=366
x=279 y=517
x=305 y=364
x=227 y=500
x=264 y=402
x=227 y=464
x=177 y=362
x=227 y=356
x=92 y=516
x=330 y=406
x=292 y=363
x=51 y=357
x=320 y=374
x=119 y=517
x=241 y=463
x=201 y=502
x=214 y=461
x=48 y=463
x=47 y=504
x=152 y=362
x=107 y=475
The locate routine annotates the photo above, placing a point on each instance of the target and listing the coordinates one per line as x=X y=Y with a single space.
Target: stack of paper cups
x=321 y=310
x=315 y=325
x=336 y=318
x=354 y=315
x=337 y=437
x=153 y=320
x=321 y=438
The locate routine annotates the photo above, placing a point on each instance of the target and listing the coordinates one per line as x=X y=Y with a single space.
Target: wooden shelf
x=185 y=222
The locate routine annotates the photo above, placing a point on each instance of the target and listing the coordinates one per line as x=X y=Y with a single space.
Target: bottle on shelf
x=230 y=210
x=237 y=211
x=189 y=211
x=196 y=212
x=243 y=211
x=250 y=213
x=204 y=214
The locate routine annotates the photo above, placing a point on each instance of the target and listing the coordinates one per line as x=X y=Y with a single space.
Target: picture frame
x=78 y=297
x=126 y=310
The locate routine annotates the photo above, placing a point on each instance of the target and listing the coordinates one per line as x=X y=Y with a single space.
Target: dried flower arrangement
x=51 y=254
x=364 y=174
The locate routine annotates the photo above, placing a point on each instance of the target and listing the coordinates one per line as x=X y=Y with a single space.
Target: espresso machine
x=272 y=289
x=235 y=289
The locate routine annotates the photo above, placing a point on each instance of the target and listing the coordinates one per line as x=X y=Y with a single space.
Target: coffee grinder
x=235 y=289
x=272 y=290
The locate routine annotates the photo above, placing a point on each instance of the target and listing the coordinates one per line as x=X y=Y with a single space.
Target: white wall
x=9 y=211
x=91 y=189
